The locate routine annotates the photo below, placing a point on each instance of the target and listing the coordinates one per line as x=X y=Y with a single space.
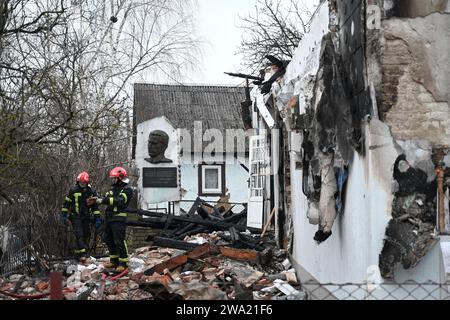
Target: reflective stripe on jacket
x=75 y=201
x=117 y=200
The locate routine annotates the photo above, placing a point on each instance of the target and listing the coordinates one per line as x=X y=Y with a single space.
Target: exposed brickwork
x=409 y=101
x=136 y=236
x=418 y=115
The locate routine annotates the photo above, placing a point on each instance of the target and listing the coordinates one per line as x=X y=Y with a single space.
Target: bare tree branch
x=275 y=28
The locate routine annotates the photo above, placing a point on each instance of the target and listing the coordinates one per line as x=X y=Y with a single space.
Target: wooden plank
x=180 y=260
x=173 y=243
x=268 y=222
x=239 y=254
x=170 y=264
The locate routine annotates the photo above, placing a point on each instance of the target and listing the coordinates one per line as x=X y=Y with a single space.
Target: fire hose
x=29 y=296
x=105 y=277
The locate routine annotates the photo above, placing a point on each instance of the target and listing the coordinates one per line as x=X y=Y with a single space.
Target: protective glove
x=98 y=222
x=91 y=201
x=63 y=219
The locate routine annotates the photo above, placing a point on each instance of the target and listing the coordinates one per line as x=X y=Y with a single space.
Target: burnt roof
x=218 y=107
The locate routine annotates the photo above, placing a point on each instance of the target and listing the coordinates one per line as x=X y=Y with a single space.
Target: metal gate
x=13 y=256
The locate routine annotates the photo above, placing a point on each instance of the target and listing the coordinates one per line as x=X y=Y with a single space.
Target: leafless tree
x=66 y=74
x=275 y=28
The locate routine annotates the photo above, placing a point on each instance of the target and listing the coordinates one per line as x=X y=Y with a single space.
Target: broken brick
x=41 y=286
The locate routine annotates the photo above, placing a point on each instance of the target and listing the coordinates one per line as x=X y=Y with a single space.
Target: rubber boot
x=113 y=263
x=122 y=266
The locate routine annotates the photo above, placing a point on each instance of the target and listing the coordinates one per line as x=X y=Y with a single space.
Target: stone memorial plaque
x=159 y=177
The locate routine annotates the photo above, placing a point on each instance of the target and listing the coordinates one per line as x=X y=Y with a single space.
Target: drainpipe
x=440 y=200
x=437 y=157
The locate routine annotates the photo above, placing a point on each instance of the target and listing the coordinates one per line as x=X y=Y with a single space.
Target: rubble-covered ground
x=212 y=276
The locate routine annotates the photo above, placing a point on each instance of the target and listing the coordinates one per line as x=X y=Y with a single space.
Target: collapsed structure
x=356 y=132
x=182 y=262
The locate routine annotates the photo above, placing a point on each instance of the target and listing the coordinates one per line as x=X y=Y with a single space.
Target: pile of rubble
x=210 y=270
x=206 y=253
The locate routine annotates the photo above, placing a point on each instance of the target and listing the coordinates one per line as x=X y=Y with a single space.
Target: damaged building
x=357 y=132
x=348 y=154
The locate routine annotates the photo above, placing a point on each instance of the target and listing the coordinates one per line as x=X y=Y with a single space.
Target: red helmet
x=118 y=172
x=83 y=177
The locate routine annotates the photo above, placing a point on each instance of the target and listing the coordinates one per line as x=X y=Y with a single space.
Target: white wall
x=235 y=180
x=148 y=196
x=352 y=251
x=305 y=62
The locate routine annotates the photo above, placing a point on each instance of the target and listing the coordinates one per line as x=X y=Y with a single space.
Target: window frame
x=201 y=181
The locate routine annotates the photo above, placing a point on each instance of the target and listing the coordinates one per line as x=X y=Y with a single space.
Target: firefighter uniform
x=117 y=200
x=79 y=213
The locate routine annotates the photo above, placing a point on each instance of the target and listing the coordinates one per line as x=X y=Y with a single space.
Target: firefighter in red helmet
x=79 y=213
x=116 y=200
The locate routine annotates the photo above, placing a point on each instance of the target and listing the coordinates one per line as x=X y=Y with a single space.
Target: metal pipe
x=440 y=200
x=437 y=157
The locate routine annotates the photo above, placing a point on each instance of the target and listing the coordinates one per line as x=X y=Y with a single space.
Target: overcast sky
x=217 y=25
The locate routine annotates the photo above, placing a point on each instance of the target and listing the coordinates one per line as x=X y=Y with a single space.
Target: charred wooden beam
x=208 y=249
x=229 y=212
x=198 y=229
x=216 y=225
x=236 y=217
x=170 y=264
x=180 y=260
x=234 y=234
x=184 y=229
x=173 y=243
x=203 y=213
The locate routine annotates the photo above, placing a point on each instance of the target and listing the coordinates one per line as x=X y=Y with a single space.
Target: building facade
x=206 y=145
x=357 y=133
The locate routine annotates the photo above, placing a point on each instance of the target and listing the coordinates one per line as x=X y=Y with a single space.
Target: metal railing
x=15 y=257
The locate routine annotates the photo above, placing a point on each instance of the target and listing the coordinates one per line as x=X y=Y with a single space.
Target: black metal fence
x=14 y=254
x=28 y=249
x=408 y=290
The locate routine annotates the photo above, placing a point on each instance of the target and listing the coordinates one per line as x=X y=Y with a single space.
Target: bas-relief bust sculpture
x=158 y=141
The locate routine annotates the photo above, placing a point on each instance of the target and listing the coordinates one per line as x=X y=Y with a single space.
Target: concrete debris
x=197 y=240
x=29 y=290
x=286 y=263
x=71 y=269
x=284 y=287
x=201 y=277
x=71 y=296
x=291 y=277
x=196 y=291
x=136 y=264
x=229 y=263
x=84 y=292
x=85 y=275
